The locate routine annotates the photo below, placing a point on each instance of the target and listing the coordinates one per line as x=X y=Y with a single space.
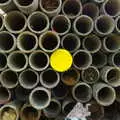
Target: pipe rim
x=2 y=26
x=116 y=24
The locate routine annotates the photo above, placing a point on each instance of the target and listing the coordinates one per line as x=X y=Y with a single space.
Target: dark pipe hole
x=3 y=61
x=1 y=22
x=4 y=95
x=117 y=59
x=24 y=2
x=3 y=1
x=118 y=24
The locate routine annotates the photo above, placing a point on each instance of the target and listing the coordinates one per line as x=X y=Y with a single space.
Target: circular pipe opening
x=116 y=59
x=24 y=2
x=3 y=61
x=118 y=24
x=1 y=22
x=4 y=1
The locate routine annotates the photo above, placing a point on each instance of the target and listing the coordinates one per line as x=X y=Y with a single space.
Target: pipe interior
x=84 y=25
x=118 y=23
x=27 y=41
x=72 y=7
x=39 y=60
x=9 y=78
x=81 y=59
x=112 y=7
x=117 y=59
x=28 y=78
x=105 y=95
x=3 y=61
x=19 y=21
x=73 y=42
x=1 y=22
x=24 y=2
x=17 y=60
x=4 y=94
x=29 y=113
x=6 y=41
x=49 y=77
x=3 y=1
x=38 y=22
x=49 y=41
x=58 y=22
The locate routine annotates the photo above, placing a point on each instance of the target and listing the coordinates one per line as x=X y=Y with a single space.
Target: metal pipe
x=9 y=78
x=49 y=78
x=111 y=75
x=99 y=59
x=72 y=8
x=99 y=1
x=58 y=21
x=90 y=75
x=49 y=41
x=38 y=22
x=60 y=91
x=26 y=7
x=17 y=61
x=111 y=43
x=73 y=40
x=3 y=61
x=82 y=59
x=117 y=21
x=92 y=43
x=111 y=8
x=83 y=25
x=104 y=94
x=39 y=60
x=19 y=24
x=53 y=110
x=82 y=92
x=70 y=77
x=5 y=95
x=90 y=9
x=28 y=79
x=7 y=42
x=27 y=42
x=28 y=112
x=104 y=25
x=1 y=22
x=114 y=59
x=37 y=101
x=51 y=8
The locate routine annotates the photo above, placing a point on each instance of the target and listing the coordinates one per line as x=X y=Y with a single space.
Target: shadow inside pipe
x=24 y=2
x=3 y=61
x=3 y=1
x=1 y=22
x=118 y=23
x=117 y=59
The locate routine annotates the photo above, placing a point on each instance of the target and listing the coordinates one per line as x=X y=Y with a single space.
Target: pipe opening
x=1 y=22
x=84 y=25
x=38 y=22
x=8 y=113
x=117 y=59
x=69 y=107
x=112 y=7
x=19 y=21
x=3 y=1
x=29 y=113
x=24 y=2
x=105 y=95
x=118 y=23
x=9 y=78
x=3 y=61
x=6 y=41
x=72 y=7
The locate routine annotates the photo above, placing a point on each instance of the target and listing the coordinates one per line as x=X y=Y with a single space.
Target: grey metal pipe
x=5 y=95
x=83 y=25
x=58 y=21
x=28 y=79
x=53 y=110
x=104 y=94
x=49 y=41
x=70 y=77
x=49 y=78
x=39 y=60
x=117 y=21
x=114 y=59
x=3 y=61
x=92 y=43
x=27 y=112
x=26 y=7
x=19 y=24
x=104 y=25
x=82 y=59
x=90 y=9
x=90 y=75
x=72 y=8
x=9 y=78
x=111 y=8
x=51 y=8
x=82 y=92
x=17 y=61
x=111 y=75
x=73 y=40
x=7 y=42
x=99 y=1
x=27 y=42
x=37 y=101
x=99 y=59
x=111 y=43
x=38 y=22
x=1 y=22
